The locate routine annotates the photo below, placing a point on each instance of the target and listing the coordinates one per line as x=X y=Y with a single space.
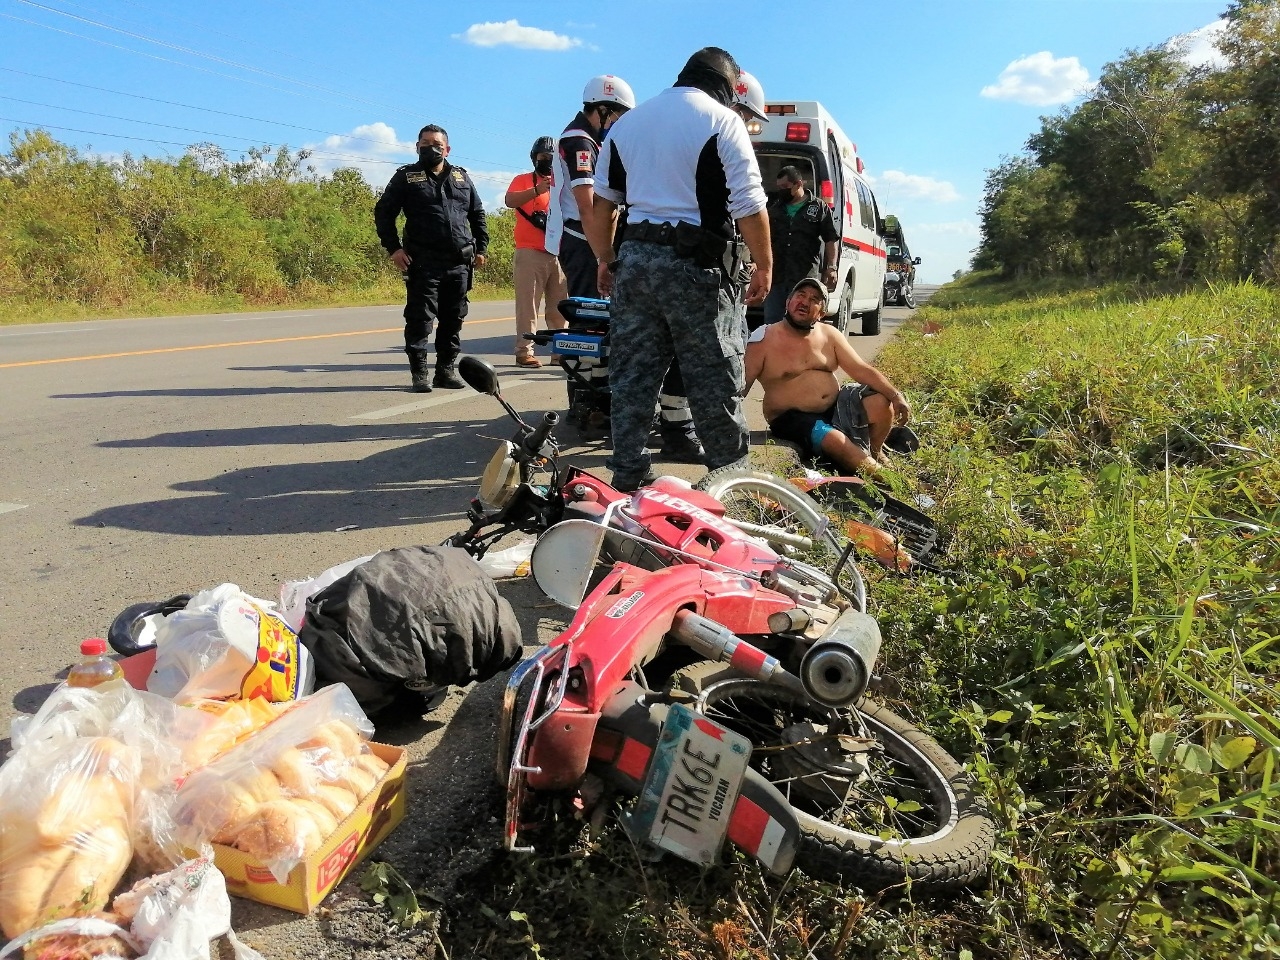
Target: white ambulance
x=800 y=133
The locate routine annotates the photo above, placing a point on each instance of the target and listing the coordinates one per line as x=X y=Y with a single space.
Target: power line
x=224 y=113
x=205 y=56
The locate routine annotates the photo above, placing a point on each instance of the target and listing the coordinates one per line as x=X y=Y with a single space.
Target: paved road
x=150 y=457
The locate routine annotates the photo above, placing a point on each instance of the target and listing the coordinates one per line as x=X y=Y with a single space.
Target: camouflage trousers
x=664 y=306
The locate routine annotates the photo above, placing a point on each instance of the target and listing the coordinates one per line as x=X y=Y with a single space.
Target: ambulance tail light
x=860 y=165
x=828 y=191
x=798 y=132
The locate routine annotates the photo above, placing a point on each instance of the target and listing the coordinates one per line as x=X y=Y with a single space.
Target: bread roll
x=280 y=830
x=297 y=773
x=339 y=801
x=357 y=779
x=336 y=735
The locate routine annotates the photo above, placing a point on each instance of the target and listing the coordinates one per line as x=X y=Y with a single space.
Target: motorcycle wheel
x=903 y=811
x=764 y=500
x=909 y=297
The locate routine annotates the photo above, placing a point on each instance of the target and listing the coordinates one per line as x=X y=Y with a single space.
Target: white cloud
x=1040 y=80
x=1197 y=47
x=372 y=148
x=901 y=185
x=513 y=34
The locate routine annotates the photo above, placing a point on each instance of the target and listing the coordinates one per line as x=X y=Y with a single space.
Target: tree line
x=1164 y=171
x=265 y=228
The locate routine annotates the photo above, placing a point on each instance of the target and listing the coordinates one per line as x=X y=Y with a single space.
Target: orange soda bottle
x=96 y=667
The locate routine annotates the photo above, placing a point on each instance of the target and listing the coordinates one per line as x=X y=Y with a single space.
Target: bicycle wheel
x=878 y=800
x=780 y=515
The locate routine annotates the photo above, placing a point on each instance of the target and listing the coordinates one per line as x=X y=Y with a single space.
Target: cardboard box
x=310 y=881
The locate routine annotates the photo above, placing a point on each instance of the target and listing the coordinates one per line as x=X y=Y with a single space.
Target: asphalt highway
x=145 y=458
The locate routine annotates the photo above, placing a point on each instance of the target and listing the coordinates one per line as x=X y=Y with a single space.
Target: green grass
x=1106 y=662
x=186 y=304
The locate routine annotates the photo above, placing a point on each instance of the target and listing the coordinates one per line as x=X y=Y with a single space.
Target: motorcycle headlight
x=501 y=478
x=891 y=276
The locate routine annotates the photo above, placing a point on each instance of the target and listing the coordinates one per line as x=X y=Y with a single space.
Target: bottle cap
x=93 y=647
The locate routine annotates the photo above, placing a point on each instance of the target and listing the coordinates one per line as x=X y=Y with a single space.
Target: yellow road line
x=235 y=343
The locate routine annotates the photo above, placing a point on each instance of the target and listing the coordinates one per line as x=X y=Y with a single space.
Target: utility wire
x=208 y=56
x=222 y=113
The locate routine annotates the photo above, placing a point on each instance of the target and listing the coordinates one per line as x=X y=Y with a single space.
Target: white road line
x=453 y=396
x=267 y=316
x=10 y=507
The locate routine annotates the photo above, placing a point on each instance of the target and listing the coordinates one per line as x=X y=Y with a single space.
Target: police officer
x=683 y=164
x=445 y=238
x=605 y=98
x=799 y=226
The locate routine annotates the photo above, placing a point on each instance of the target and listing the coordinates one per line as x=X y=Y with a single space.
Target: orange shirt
x=529 y=237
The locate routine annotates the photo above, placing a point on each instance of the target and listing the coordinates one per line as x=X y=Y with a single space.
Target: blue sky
x=934 y=93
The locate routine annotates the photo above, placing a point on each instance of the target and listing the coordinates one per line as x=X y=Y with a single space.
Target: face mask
x=543 y=167
x=430 y=156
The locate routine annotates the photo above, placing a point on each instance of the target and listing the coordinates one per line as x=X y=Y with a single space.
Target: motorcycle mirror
x=479 y=374
x=564 y=559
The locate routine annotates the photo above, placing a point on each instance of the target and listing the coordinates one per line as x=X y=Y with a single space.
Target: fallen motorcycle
x=718 y=685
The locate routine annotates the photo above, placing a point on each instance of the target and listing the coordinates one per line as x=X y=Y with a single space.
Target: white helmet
x=607 y=88
x=748 y=94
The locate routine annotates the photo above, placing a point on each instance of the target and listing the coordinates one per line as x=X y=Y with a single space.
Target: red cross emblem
x=608 y=88
x=741 y=88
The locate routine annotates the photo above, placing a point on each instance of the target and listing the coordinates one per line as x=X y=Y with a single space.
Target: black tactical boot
x=418 y=371
x=682 y=447
x=446 y=378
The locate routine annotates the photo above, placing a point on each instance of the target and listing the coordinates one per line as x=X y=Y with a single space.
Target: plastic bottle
x=96 y=667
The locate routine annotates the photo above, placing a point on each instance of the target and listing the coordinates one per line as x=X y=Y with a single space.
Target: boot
x=682 y=447
x=418 y=372
x=446 y=378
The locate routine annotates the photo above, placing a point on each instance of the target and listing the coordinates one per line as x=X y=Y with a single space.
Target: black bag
x=408 y=620
x=538 y=218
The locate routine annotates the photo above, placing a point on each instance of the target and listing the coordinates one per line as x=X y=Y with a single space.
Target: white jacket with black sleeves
x=681 y=156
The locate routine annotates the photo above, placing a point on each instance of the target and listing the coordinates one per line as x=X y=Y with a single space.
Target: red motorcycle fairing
x=621 y=626
x=690 y=520
x=762 y=822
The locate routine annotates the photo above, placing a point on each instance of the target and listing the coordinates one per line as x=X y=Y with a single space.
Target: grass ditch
x=1106 y=661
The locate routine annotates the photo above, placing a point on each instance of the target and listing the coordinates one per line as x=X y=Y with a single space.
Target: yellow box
x=310 y=881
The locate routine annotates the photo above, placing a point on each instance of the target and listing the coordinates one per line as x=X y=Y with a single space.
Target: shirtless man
x=796 y=360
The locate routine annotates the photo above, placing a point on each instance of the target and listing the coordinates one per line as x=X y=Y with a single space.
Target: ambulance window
x=865 y=210
x=837 y=181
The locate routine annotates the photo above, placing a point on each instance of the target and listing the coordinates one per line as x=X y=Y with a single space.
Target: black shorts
x=806 y=429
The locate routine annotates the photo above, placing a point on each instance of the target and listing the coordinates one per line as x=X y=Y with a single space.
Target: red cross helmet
x=748 y=95
x=607 y=88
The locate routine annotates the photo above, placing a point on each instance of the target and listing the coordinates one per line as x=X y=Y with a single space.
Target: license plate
x=577 y=344
x=691 y=787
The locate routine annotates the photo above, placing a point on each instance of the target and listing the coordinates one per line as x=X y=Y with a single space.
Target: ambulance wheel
x=871 y=319
x=889 y=808
x=844 y=313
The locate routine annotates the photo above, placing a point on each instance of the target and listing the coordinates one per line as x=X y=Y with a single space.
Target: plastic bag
x=511 y=562
x=280 y=794
x=227 y=644
x=66 y=829
x=295 y=593
x=170 y=916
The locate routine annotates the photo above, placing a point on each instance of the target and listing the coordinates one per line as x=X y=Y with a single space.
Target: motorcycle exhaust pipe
x=837 y=669
x=717 y=642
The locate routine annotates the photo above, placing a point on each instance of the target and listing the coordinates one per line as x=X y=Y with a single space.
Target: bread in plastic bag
x=226 y=644
x=281 y=793
x=66 y=828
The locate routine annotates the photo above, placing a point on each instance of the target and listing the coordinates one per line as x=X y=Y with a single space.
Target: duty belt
x=649 y=232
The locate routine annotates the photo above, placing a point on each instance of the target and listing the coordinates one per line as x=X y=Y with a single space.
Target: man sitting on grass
x=796 y=360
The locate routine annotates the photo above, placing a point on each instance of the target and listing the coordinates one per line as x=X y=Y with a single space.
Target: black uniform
x=797 y=246
x=444 y=231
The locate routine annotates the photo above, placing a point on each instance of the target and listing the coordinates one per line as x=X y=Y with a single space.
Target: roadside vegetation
x=1105 y=657
x=1162 y=172
x=84 y=237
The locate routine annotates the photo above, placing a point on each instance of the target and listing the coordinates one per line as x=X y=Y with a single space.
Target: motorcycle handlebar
x=532 y=444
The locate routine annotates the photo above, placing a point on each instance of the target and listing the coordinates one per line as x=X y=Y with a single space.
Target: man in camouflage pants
x=683 y=164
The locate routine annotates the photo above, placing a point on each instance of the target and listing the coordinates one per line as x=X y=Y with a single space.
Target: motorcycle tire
x=123 y=633
x=762 y=499
x=914 y=817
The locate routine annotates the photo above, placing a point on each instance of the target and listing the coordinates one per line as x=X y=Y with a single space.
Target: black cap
x=542 y=145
